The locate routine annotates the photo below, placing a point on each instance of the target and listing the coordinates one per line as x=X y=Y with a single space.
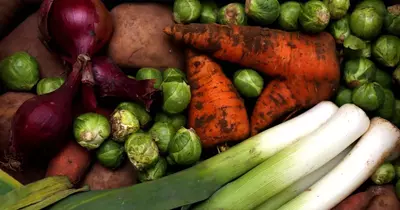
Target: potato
x=138 y=39
x=100 y=177
x=25 y=38
x=9 y=104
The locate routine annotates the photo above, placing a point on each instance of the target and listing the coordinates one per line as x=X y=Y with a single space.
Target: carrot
x=305 y=67
x=73 y=161
x=216 y=111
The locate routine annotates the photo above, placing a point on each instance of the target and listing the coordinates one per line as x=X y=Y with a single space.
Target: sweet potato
x=25 y=38
x=9 y=104
x=101 y=178
x=138 y=39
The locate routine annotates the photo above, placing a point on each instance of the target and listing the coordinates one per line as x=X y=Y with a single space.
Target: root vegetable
x=307 y=63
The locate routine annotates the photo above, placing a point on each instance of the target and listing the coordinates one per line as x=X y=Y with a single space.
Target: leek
x=367 y=155
x=295 y=189
x=292 y=163
x=200 y=181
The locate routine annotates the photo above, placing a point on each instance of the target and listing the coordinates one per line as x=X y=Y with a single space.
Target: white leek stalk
x=303 y=184
x=368 y=154
x=292 y=163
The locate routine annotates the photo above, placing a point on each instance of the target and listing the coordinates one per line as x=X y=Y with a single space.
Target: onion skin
x=112 y=82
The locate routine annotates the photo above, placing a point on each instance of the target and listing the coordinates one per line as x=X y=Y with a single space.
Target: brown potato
x=9 y=104
x=138 y=39
x=100 y=177
x=25 y=38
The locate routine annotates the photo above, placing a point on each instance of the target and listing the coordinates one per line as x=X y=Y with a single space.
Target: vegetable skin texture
x=72 y=161
x=305 y=67
x=208 y=176
x=368 y=154
x=7 y=183
x=216 y=110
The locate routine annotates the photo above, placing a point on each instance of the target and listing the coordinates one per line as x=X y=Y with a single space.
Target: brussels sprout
x=176 y=120
x=366 y=23
x=173 y=74
x=343 y=97
x=358 y=72
x=123 y=124
x=19 y=71
x=384 y=174
x=162 y=117
x=263 y=11
x=369 y=96
x=232 y=13
x=337 y=8
x=48 y=85
x=150 y=73
x=110 y=154
x=340 y=29
x=142 y=150
x=396 y=113
x=186 y=11
x=386 y=110
x=392 y=20
x=138 y=110
x=314 y=16
x=91 y=129
x=176 y=96
x=162 y=133
x=355 y=47
x=209 y=12
x=155 y=172
x=248 y=82
x=378 y=5
x=185 y=147
x=386 y=50
x=383 y=78
x=289 y=16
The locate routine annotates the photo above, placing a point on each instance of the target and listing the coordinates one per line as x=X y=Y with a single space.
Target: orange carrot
x=73 y=161
x=305 y=66
x=216 y=111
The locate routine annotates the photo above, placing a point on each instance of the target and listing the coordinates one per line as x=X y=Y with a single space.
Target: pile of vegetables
x=214 y=105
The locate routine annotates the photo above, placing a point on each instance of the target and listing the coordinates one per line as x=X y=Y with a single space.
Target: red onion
x=111 y=81
x=42 y=124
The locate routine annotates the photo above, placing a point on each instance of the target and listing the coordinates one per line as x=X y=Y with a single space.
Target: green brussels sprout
x=110 y=154
x=289 y=16
x=155 y=172
x=263 y=11
x=386 y=50
x=392 y=20
x=91 y=129
x=209 y=12
x=355 y=47
x=386 y=110
x=378 y=5
x=186 y=11
x=142 y=151
x=233 y=13
x=123 y=124
x=340 y=29
x=396 y=113
x=176 y=96
x=366 y=23
x=343 y=97
x=162 y=133
x=383 y=78
x=337 y=8
x=369 y=96
x=384 y=174
x=161 y=117
x=138 y=110
x=314 y=16
x=150 y=73
x=19 y=71
x=173 y=74
x=48 y=85
x=176 y=120
x=185 y=147
x=248 y=82
x=358 y=72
